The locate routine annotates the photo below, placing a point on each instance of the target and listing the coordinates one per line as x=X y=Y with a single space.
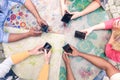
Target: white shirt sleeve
x=5 y=66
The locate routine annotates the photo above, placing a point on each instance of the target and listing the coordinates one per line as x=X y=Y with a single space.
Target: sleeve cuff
x=6 y=37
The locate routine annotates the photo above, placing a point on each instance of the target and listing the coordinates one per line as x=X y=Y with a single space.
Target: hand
x=116 y=24
x=76 y=15
x=33 y=32
x=37 y=50
x=74 y=53
x=41 y=22
x=87 y=31
x=64 y=10
x=47 y=56
x=65 y=58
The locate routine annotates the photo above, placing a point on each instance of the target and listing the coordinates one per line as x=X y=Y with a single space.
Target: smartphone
x=80 y=35
x=44 y=28
x=67 y=48
x=67 y=17
x=47 y=46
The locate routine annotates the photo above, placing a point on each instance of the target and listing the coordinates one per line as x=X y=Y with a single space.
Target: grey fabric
x=103 y=3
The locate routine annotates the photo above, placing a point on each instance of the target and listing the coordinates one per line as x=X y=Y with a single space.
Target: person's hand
x=66 y=58
x=75 y=52
x=37 y=50
x=76 y=15
x=41 y=22
x=33 y=32
x=116 y=24
x=87 y=31
x=64 y=10
x=47 y=56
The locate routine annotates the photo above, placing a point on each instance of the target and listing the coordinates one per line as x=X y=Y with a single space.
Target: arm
x=18 y=36
x=97 y=61
x=44 y=73
x=30 y=6
x=105 y=25
x=90 y=8
x=16 y=58
x=63 y=6
x=70 y=75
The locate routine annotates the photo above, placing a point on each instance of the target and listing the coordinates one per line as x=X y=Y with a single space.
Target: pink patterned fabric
x=109 y=23
x=111 y=53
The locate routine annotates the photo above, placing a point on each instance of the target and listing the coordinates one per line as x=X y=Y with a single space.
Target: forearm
x=17 y=36
x=30 y=6
x=62 y=4
x=100 y=63
x=70 y=75
x=98 y=26
x=18 y=57
x=43 y=75
x=90 y=8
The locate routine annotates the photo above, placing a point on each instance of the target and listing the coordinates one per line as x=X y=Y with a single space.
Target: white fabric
x=5 y=66
x=115 y=77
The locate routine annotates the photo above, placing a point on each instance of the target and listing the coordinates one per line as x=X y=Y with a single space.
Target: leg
x=70 y=75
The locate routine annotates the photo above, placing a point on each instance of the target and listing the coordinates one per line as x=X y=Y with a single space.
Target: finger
x=67 y=58
x=86 y=35
x=45 y=51
x=38 y=32
x=72 y=46
x=40 y=47
x=73 y=17
x=63 y=56
x=49 y=53
x=69 y=54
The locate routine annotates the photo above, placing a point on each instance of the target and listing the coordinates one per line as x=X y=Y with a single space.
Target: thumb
x=86 y=35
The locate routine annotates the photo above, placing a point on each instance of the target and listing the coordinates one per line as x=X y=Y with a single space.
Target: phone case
x=67 y=17
x=67 y=48
x=80 y=35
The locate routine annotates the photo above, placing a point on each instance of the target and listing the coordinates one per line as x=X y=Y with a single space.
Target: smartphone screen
x=67 y=17
x=44 y=28
x=67 y=48
x=47 y=46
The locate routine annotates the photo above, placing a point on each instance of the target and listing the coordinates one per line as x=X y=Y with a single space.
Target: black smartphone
x=80 y=35
x=67 y=48
x=67 y=17
x=44 y=28
x=47 y=46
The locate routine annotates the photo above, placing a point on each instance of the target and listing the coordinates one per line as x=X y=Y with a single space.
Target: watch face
x=44 y=28
x=67 y=48
x=80 y=35
x=47 y=46
x=67 y=17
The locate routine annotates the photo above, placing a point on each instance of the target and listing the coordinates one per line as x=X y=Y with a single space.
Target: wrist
x=28 y=34
x=79 y=54
x=30 y=52
x=47 y=62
